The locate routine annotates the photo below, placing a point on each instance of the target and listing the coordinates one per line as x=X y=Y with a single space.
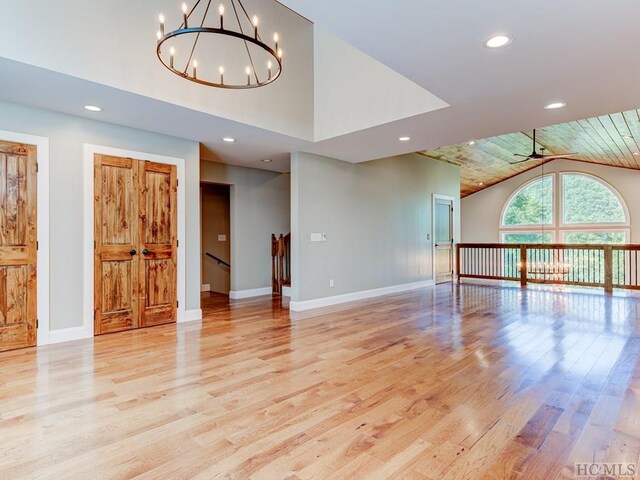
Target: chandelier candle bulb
x=276 y=38
x=269 y=65
x=221 y=75
x=255 y=26
x=195 y=68
x=184 y=13
x=161 y=18
x=248 y=70
x=172 y=52
x=221 y=11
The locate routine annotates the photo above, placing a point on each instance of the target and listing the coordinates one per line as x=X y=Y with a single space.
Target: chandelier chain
x=193 y=49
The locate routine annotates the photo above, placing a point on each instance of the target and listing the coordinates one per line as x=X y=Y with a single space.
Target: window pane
x=594 y=237
x=587 y=200
x=532 y=205
x=527 y=238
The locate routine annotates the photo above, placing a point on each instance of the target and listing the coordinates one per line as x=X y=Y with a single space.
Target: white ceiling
x=582 y=52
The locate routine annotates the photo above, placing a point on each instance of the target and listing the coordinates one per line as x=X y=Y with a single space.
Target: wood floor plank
x=444 y=383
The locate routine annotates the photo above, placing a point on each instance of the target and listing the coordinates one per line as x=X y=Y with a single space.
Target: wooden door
x=116 y=244
x=443 y=240
x=136 y=244
x=18 y=219
x=158 y=243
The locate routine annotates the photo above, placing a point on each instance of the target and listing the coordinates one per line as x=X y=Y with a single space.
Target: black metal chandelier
x=194 y=24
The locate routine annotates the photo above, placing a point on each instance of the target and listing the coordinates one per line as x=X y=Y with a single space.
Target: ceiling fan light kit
x=196 y=23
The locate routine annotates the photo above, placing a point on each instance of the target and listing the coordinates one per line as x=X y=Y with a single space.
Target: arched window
x=587 y=200
x=532 y=204
x=580 y=208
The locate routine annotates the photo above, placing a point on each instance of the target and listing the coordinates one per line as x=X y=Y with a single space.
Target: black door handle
x=145 y=252
x=132 y=252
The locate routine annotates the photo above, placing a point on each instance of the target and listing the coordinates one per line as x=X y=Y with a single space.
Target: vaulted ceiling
x=612 y=140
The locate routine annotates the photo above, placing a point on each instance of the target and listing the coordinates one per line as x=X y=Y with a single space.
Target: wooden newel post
x=608 y=269
x=458 y=262
x=523 y=266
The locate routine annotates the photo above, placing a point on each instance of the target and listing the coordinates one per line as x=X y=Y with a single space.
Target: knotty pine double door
x=135 y=209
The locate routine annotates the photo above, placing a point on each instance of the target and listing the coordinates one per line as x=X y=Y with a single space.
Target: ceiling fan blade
x=523 y=156
x=525 y=159
x=547 y=157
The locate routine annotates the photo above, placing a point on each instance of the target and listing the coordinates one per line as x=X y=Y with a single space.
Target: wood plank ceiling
x=612 y=140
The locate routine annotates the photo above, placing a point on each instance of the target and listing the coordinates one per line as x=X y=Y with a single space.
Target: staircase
x=280 y=262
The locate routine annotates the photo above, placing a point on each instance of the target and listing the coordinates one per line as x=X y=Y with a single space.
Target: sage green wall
x=67 y=135
x=260 y=206
x=377 y=216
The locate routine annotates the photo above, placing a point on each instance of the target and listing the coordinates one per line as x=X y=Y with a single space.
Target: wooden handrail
x=280 y=262
x=602 y=265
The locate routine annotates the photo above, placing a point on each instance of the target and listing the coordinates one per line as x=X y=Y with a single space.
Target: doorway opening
x=216 y=239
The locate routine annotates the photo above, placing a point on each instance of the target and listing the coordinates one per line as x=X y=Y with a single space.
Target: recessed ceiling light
x=498 y=41
x=404 y=139
x=472 y=143
x=555 y=105
x=92 y=108
x=628 y=137
x=266 y=160
x=228 y=139
x=481 y=184
x=636 y=153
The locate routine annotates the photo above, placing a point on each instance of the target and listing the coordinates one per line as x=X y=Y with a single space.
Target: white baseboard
x=352 y=297
x=192 y=315
x=256 y=292
x=205 y=288
x=68 y=335
x=286 y=292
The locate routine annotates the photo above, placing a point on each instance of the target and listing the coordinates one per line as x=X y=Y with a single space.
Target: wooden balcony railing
x=280 y=262
x=606 y=266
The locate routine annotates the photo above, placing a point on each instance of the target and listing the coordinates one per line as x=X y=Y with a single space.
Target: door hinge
x=37 y=167
x=177 y=243
x=177 y=304
x=95 y=245
x=177 y=183
x=37 y=245
x=37 y=323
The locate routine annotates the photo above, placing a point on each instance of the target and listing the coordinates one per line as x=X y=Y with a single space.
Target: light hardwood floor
x=447 y=383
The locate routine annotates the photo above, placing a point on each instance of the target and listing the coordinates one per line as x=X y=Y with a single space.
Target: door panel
x=116 y=237
x=158 y=242
x=18 y=183
x=443 y=229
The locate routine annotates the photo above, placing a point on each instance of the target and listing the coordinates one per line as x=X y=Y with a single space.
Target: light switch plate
x=222 y=238
x=316 y=237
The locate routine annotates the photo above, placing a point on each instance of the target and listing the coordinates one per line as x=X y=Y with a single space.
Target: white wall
x=353 y=91
x=113 y=43
x=377 y=216
x=481 y=211
x=67 y=136
x=260 y=206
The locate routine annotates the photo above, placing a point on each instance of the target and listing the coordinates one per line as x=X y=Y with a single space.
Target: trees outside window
x=579 y=209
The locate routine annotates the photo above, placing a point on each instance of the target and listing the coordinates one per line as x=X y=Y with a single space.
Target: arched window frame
x=557 y=228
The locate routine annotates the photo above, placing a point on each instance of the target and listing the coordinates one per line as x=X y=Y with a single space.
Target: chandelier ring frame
x=226 y=32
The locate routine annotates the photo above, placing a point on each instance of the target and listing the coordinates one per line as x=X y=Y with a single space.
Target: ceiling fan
x=538 y=156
